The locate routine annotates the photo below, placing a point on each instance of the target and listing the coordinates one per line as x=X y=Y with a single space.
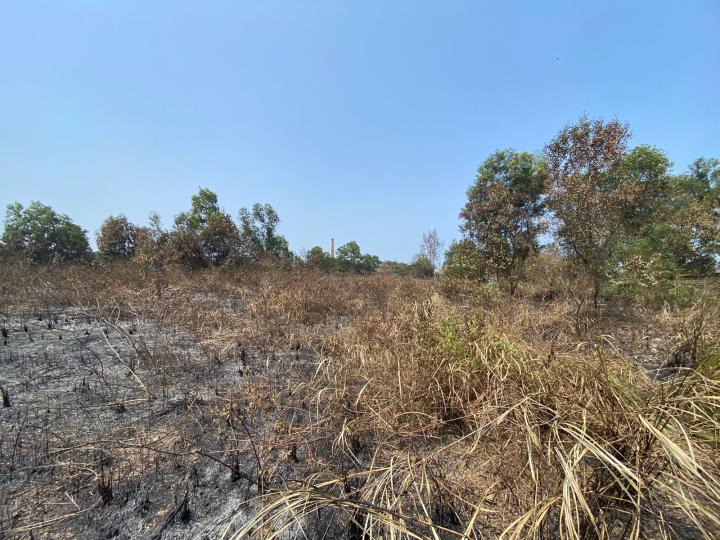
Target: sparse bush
x=422 y=267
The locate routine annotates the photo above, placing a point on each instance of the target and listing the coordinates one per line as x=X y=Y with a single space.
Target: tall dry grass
x=445 y=420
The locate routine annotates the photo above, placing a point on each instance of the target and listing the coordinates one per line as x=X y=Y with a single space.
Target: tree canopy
x=41 y=235
x=349 y=257
x=502 y=215
x=116 y=238
x=258 y=232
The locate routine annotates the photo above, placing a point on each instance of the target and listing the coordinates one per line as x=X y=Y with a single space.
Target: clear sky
x=361 y=120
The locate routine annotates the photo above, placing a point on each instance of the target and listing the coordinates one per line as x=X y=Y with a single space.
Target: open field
x=292 y=403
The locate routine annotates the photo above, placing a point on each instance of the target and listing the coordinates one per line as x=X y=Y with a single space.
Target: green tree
x=349 y=254
x=116 y=238
x=204 y=205
x=349 y=257
x=463 y=261
x=675 y=224
x=43 y=236
x=205 y=234
x=396 y=268
x=318 y=258
x=502 y=215
x=258 y=232
x=696 y=221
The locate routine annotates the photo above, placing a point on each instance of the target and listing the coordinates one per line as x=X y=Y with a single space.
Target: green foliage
x=502 y=215
x=678 y=216
x=204 y=205
x=258 y=233
x=647 y=277
x=349 y=257
x=693 y=217
x=709 y=364
x=220 y=239
x=463 y=261
x=41 y=235
x=421 y=267
x=199 y=236
x=317 y=258
x=207 y=235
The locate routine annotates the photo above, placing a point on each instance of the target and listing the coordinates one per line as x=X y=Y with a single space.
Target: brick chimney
x=332 y=248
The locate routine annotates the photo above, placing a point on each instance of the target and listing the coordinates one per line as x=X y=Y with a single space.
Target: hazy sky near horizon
x=364 y=120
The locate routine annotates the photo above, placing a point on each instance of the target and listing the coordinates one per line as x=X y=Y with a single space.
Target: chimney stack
x=332 y=248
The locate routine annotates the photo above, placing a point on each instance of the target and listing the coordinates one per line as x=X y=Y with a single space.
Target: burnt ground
x=134 y=431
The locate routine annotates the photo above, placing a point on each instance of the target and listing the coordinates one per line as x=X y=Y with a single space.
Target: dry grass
x=424 y=410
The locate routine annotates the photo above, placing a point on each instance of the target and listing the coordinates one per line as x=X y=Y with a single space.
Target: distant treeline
x=612 y=211
x=203 y=236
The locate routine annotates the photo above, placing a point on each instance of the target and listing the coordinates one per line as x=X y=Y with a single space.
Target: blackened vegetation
x=5 y=397
x=125 y=419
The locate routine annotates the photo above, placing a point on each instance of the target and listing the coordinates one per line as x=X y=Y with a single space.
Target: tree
x=116 y=238
x=185 y=247
x=502 y=215
x=463 y=261
x=258 y=232
x=676 y=224
x=185 y=241
x=396 y=268
x=422 y=267
x=205 y=234
x=696 y=221
x=591 y=193
x=43 y=236
x=318 y=258
x=204 y=205
x=220 y=239
x=151 y=243
x=349 y=257
x=431 y=247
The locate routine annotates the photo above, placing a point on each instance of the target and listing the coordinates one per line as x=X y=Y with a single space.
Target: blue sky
x=363 y=120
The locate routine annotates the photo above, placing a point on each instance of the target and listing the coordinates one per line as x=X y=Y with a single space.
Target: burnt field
x=144 y=403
